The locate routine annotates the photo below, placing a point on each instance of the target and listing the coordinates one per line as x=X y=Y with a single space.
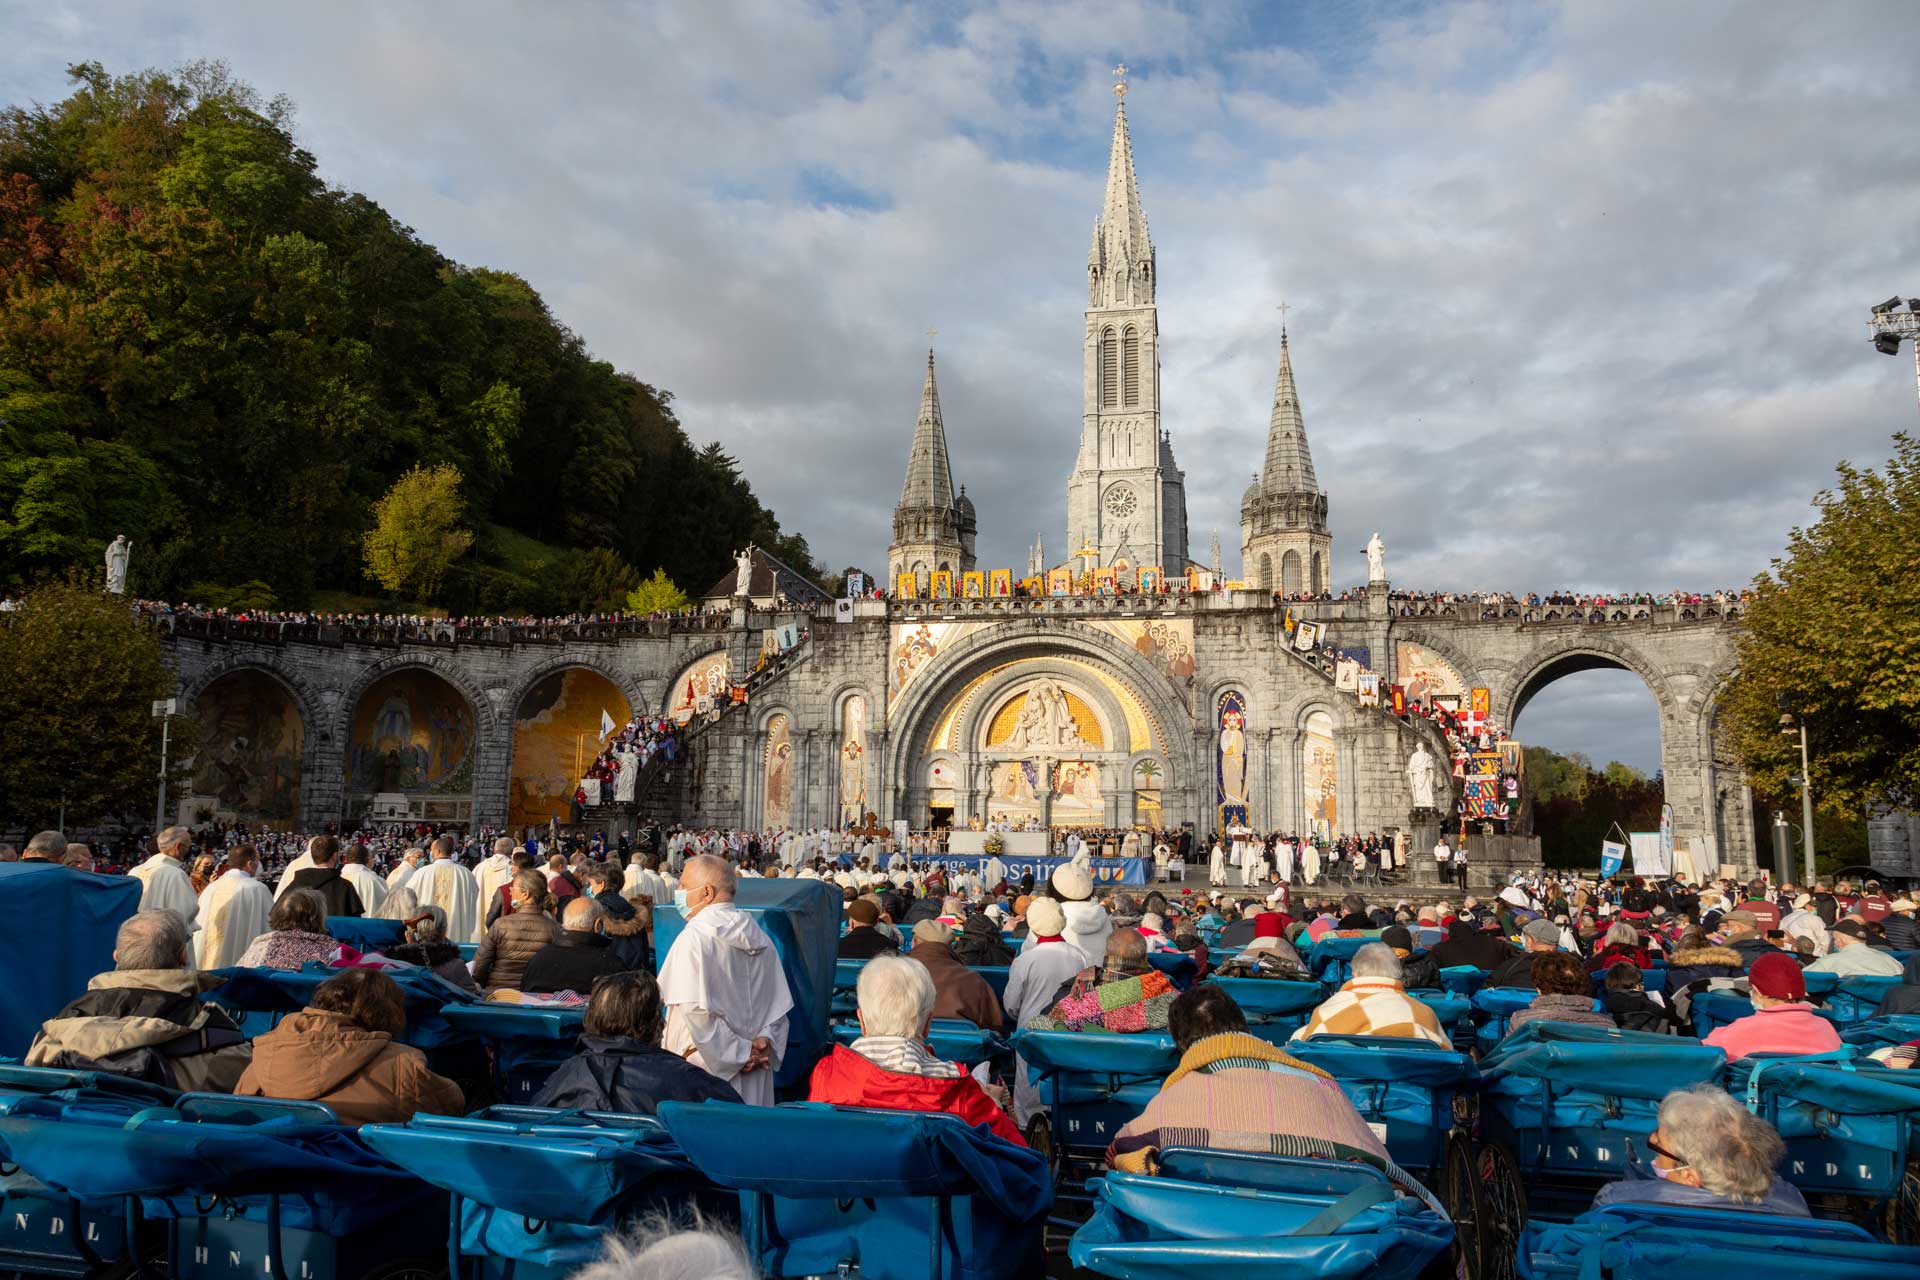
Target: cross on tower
x=1120 y=75
x=931 y=333
x=1283 y=308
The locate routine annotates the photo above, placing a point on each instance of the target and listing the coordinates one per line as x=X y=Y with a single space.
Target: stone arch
x=1541 y=667
x=260 y=776
x=675 y=691
x=540 y=760
x=1319 y=574
x=486 y=756
x=1290 y=580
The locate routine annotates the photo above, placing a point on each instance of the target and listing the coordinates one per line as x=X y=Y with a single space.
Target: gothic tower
x=932 y=528
x=1284 y=544
x=1126 y=496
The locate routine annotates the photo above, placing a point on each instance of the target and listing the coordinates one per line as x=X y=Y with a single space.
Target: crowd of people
x=708 y=1021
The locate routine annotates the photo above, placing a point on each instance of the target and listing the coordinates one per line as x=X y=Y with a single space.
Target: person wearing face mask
x=1710 y=1152
x=725 y=993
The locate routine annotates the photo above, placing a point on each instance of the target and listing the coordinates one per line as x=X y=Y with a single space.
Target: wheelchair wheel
x=1902 y=1219
x=1460 y=1193
x=1504 y=1211
x=408 y=1269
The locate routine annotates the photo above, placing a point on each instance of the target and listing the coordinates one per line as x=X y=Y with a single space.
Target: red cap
x=1267 y=925
x=1777 y=976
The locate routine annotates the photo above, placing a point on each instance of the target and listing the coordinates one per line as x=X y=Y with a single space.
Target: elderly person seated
x=517 y=937
x=297 y=933
x=1374 y=1003
x=426 y=945
x=342 y=1050
x=959 y=992
x=890 y=1065
x=1537 y=937
x=1566 y=994
x=1634 y=1008
x=1851 y=957
x=579 y=956
x=978 y=942
x=145 y=1018
x=1782 y=1021
x=1124 y=994
x=628 y=927
x=621 y=1066
x=863 y=939
x=1710 y=1152
x=1620 y=945
x=1234 y=1092
x=1268 y=956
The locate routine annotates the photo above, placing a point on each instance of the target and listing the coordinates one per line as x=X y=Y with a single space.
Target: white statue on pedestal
x=118 y=553
x=1423 y=777
x=743 y=573
x=1376 y=559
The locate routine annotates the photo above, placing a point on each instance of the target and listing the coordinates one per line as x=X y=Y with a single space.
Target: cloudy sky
x=1578 y=290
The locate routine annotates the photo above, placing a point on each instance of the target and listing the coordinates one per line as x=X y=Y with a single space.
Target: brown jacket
x=958 y=992
x=513 y=940
x=316 y=1056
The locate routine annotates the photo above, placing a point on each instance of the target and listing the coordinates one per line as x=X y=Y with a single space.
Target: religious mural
x=1427 y=677
x=556 y=730
x=700 y=688
x=251 y=744
x=779 y=776
x=1076 y=794
x=912 y=649
x=853 y=760
x=1167 y=643
x=1230 y=773
x=1015 y=791
x=942 y=783
x=1147 y=777
x=412 y=732
x=1320 y=776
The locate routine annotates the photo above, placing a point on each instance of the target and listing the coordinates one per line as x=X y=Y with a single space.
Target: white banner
x=592 y=787
x=1649 y=858
x=843 y=611
x=1306 y=635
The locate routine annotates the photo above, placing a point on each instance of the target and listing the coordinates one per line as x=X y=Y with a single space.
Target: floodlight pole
x=1901 y=326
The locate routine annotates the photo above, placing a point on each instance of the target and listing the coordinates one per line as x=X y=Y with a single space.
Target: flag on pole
x=606 y=724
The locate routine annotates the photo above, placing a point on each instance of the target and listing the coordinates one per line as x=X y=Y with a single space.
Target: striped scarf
x=907 y=1057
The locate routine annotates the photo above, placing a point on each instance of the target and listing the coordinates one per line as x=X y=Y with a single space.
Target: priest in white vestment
x=1217 y=863
x=725 y=993
x=445 y=884
x=233 y=912
x=354 y=870
x=403 y=871
x=1309 y=862
x=294 y=868
x=1283 y=852
x=164 y=884
x=494 y=870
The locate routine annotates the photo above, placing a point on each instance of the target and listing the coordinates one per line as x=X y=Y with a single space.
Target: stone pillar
x=1347 y=761
x=492 y=768
x=1260 y=781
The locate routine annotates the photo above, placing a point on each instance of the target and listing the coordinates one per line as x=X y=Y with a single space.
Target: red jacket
x=846 y=1079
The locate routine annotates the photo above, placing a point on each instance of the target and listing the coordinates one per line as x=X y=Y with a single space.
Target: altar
x=1019 y=844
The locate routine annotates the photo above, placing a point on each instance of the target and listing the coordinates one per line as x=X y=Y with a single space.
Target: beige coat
x=316 y=1056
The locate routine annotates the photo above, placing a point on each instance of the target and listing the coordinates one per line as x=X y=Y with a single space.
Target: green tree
x=417 y=533
x=78 y=677
x=1833 y=637
x=656 y=595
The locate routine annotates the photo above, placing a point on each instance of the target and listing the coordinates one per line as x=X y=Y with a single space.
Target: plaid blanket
x=1129 y=1004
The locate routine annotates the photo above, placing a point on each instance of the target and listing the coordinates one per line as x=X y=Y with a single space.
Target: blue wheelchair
x=1419 y=1100
x=1558 y=1105
x=1241 y=1216
x=1633 y=1241
x=951 y=1039
x=1850 y=1130
x=1093 y=1083
x=534 y=1192
x=883 y=1195
x=525 y=1044
x=217 y=1184
x=1330 y=960
x=1274 y=1007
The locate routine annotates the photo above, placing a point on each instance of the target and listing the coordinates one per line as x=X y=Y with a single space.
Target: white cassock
x=233 y=912
x=1254 y=871
x=723 y=988
x=372 y=889
x=1309 y=861
x=445 y=884
x=996 y=870
x=164 y=886
x=491 y=872
x=398 y=877
x=1033 y=979
x=1284 y=853
x=1217 y=864
x=294 y=868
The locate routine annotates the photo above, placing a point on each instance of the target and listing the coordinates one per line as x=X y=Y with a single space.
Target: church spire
x=1289 y=466
x=929 y=472
x=1120 y=260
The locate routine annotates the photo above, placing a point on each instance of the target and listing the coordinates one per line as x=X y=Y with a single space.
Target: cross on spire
x=1283 y=308
x=1120 y=78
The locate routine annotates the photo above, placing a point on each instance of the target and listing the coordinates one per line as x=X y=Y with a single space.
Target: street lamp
x=164 y=709
x=1888 y=327
x=1788 y=727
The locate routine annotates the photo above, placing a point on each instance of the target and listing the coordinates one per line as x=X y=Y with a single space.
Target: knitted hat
x=1777 y=976
x=1072 y=882
x=1045 y=918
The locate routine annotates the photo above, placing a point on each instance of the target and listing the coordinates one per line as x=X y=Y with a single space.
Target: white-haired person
x=890 y=1064
x=661 y=1249
x=1710 y=1152
x=1374 y=1002
x=427 y=946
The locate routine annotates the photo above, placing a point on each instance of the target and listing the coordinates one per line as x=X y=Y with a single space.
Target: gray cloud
x=1578 y=288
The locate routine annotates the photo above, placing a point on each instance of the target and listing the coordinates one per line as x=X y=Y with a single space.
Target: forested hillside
x=205 y=347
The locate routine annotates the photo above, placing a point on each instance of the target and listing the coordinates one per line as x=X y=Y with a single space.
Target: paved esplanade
x=1096 y=696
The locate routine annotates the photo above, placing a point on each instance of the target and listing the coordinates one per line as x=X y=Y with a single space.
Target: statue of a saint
x=118 y=552
x=743 y=573
x=1376 y=559
x=1423 y=777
